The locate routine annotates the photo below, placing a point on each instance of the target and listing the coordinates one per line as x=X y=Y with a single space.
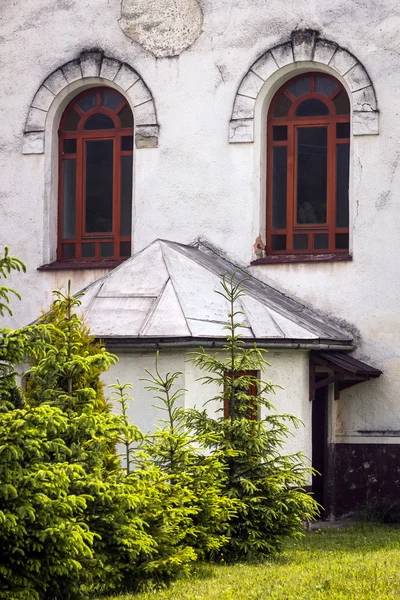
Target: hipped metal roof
x=166 y=292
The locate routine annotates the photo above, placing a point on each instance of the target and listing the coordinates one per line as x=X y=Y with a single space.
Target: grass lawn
x=358 y=563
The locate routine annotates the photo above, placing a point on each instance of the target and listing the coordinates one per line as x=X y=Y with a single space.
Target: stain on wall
x=164 y=27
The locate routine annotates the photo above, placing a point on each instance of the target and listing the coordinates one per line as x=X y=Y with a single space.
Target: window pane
x=124 y=249
x=278 y=242
x=107 y=249
x=127 y=142
x=321 y=241
x=71 y=122
x=89 y=250
x=282 y=106
x=342 y=130
x=279 y=133
x=279 y=182
x=299 y=87
x=68 y=198
x=325 y=86
x=69 y=146
x=342 y=184
x=300 y=241
x=111 y=99
x=311 y=174
x=126 y=195
x=342 y=104
x=87 y=102
x=99 y=121
x=126 y=117
x=99 y=186
x=68 y=250
x=312 y=108
x=342 y=241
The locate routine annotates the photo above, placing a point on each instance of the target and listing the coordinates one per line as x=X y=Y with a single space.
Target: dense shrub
x=74 y=522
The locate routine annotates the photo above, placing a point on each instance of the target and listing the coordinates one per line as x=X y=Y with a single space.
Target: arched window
x=308 y=167
x=95 y=191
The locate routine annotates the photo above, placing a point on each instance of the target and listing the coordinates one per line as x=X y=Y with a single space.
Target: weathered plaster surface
x=289 y=369
x=164 y=27
x=197 y=185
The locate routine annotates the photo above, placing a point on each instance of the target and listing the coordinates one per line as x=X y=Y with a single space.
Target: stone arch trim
x=93 y=64
x=305 y=45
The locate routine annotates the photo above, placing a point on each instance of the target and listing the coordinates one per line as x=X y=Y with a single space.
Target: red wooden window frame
x=252 y=391
x=293 y=123
x=121 y=242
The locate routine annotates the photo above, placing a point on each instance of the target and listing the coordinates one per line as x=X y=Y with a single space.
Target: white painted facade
x=191 y=182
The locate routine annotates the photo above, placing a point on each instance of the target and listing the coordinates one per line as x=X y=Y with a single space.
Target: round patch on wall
x=164 y=27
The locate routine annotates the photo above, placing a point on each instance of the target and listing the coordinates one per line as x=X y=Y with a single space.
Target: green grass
x=358 y=563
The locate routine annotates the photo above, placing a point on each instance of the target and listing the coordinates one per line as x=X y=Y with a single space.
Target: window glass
x=69 y=198
x=298 y=87
x=342 y=103
x=106 y=249
x=99 y=186
x=126 y=195
x=342 y=184
x=127 y=142
x=99 y=121
x=278 y=242
x=69 y=146
x=110 y=99
x=324 y=85
x=279 y=187
x=125 y=249
x=279 y=133
x=282 y=106
x=342 y=241
x=87 y=102
x=312 y=108
x=68 y=251
x=126 y=117
x=300 y=241
x=321 y=241
x=312 y=149
x=342 y=130
x=89 y=250
x=71 y=122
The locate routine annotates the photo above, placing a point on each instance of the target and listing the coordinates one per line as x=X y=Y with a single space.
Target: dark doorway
x=319 y=442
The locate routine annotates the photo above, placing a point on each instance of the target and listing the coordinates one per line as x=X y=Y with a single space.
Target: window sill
x=273 y=259
x=80 y=265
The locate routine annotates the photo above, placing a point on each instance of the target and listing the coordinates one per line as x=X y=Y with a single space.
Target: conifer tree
x=268 y=484
x=194 y=476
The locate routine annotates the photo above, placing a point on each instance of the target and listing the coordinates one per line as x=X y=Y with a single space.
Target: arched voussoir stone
x=305 y=45
x=92 y=64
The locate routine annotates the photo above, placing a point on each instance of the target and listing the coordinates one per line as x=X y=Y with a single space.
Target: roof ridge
x=173 y=285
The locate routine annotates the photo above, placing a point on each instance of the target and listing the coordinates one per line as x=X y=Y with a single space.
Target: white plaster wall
x=289 y=369
x=195 y=184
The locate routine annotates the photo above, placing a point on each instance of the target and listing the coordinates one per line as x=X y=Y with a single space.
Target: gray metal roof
x=167 y=292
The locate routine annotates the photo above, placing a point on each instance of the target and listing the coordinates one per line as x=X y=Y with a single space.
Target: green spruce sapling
x=250 y=438
x=194 y=474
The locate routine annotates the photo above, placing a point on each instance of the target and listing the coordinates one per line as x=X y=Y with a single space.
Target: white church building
x=148 y=147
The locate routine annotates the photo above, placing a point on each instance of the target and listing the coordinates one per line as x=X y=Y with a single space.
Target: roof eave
x=142 y=343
